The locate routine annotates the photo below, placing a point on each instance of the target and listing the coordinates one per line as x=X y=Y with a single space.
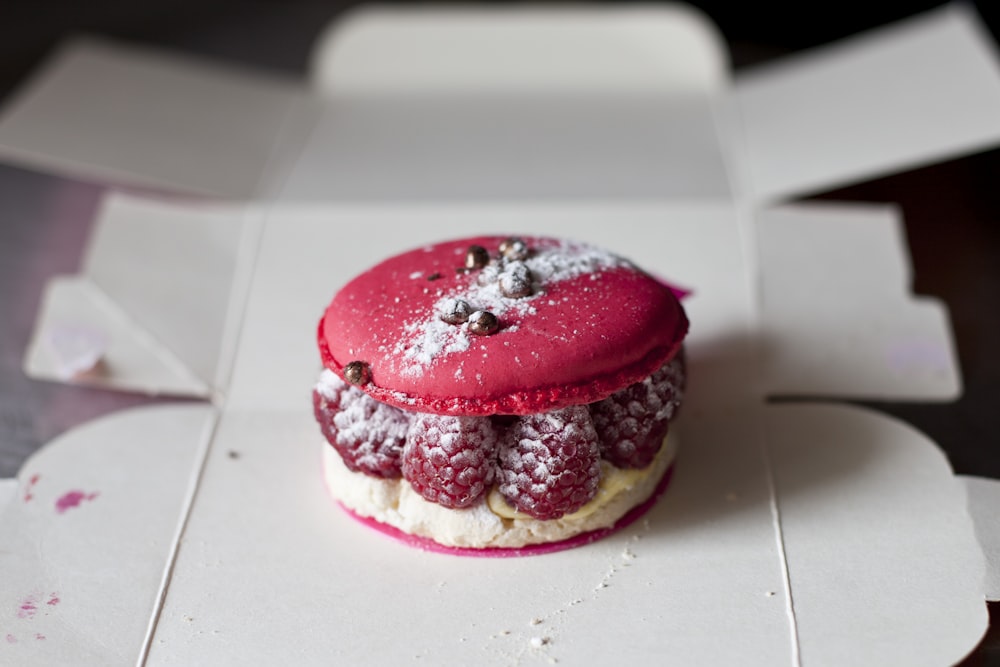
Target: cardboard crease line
x=779 y=538
x=191 y=494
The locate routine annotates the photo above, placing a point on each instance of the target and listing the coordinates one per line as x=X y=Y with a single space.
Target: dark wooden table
x=951 y=210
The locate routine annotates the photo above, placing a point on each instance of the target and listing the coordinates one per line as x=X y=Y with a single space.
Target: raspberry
x=450 y=460
x=632 y=423
x=367 y=434
x=550 y=462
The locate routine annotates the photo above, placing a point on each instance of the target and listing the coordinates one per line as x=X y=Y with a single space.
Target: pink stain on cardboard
x=11 y=639
x=29 y=605
x=73 y=499
x=28 y=608
x=28 y=495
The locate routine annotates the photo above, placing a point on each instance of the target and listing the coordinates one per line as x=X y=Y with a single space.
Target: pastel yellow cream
x=613 y=481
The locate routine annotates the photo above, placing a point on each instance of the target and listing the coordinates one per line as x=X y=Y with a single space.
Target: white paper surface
x=138 y=117
x=860 y=495
x=88 y=536
x=919 y=91
x=879 y=342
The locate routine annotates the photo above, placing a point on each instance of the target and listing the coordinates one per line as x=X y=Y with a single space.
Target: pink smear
x=28 y=495
x=11 y=639
x=72 y=499
x=53 y=600
x=680 y=292
x=39 y=636
x=530 y=550
x=28 y=608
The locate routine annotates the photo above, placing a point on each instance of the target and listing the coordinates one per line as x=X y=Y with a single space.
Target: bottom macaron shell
x=427 y=544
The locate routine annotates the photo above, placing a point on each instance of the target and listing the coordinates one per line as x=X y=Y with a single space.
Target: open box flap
x=919 y=91
x=884 y=343
x=141 y=322
x=813 y=121
x=533 y=50
x=557 y=104
x=139 y=117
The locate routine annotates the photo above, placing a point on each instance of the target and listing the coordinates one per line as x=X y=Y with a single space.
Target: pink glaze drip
x=71 y=499
x=580 y=540
x=11 y=639
x=53 y=600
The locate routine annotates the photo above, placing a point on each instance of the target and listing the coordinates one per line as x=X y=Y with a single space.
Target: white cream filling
x=491 y=522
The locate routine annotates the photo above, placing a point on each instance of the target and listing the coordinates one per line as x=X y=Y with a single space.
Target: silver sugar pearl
x=515 y=280
x=483 y=323
x=476 y=257
x=514 y=248
x=357 y=372
x=456 y=311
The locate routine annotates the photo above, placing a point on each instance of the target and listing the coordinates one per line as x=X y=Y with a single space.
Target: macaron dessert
x=500 y=396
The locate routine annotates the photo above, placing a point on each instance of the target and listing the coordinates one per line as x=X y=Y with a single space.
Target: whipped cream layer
x=393 y=502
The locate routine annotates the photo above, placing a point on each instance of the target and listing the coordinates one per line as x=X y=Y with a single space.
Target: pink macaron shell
x=574 y=340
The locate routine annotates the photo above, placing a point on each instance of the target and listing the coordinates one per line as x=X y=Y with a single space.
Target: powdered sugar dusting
x=429 y=337
x=368 y=433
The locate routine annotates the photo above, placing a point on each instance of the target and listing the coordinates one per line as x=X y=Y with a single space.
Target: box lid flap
x=918 y=91
x=138 y=117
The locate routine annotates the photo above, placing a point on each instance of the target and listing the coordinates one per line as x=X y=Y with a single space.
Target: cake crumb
x=539 y=642
x=770 y=594
x=536 y=621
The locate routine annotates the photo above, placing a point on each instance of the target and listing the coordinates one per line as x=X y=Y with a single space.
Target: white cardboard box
x=804 y=533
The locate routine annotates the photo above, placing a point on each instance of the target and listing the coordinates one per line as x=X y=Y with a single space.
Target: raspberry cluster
x=546 y=465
